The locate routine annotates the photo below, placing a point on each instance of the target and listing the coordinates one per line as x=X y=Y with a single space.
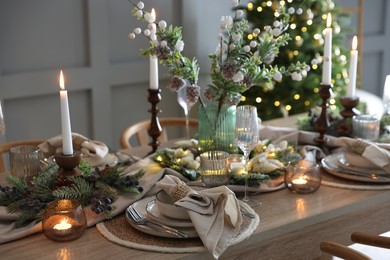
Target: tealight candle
x=300 y=181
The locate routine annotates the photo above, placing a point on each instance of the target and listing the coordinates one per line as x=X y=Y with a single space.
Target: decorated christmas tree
x=308 y=20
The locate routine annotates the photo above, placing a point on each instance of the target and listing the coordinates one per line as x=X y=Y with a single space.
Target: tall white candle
x=327 y=59
x=153 y=76
x=67 y=147
x=352 y=69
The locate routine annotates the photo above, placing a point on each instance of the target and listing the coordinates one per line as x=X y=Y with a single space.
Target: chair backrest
x=140 y=129
x=370 y=239
x=344 y=252
x=4 y=148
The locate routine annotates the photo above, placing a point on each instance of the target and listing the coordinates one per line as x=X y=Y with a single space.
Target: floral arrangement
x=98 y=188
x=268 y=161
x=180 y=160
x=235 y=66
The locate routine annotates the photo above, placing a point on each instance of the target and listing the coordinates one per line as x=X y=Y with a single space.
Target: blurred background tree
x=306 y=30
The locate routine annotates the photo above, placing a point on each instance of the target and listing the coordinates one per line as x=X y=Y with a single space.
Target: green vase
x=217 y=127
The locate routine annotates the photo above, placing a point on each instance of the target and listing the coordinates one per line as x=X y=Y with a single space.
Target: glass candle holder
x=64 y=220
x=25 y=161
x=365 y=127
x=303 y=176
x=236 y=164
x=214 y=168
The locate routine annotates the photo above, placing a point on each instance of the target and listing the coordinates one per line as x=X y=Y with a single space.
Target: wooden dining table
x=291 y=227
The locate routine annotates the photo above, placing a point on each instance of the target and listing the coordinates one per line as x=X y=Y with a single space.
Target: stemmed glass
x=2 y=124
x=247 y=136
x=187 y=96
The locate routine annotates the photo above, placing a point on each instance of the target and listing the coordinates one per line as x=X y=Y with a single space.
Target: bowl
x=167 y=207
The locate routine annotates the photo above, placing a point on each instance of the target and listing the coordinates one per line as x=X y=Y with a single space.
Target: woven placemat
x=337 y=182
x=119 y=231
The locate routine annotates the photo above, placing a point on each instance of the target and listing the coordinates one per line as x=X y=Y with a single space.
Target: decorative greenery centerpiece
x=100 y=188
x=235 y=67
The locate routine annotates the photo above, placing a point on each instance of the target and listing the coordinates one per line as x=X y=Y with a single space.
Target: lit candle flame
x=329 y=20
x=62 y=83
x=153 y=14
x=354 y=43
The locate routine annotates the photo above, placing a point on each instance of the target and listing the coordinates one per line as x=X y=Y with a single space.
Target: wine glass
x=2 y=124
x=187 y=96
x=247 y=136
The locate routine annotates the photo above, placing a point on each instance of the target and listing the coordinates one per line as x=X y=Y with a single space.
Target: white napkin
x=94 y=152
x=377 y=154
x=214 y=212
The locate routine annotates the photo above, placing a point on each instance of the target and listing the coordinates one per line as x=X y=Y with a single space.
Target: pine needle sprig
x=80 y=190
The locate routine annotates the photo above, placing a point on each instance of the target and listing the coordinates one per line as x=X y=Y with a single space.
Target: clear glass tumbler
x=25 y=161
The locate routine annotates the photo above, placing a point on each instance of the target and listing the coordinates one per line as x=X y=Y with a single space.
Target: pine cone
x=62 y=181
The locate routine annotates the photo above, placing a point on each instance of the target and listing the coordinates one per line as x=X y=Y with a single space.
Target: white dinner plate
x=154 y=214
x=343 y=163
x=331 y=165
x=141 y=207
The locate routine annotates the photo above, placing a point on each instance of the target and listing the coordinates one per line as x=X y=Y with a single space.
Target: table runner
x=119 y=231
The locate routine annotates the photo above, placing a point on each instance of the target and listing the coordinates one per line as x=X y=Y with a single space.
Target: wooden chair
x=370 y=239
x=342 y=251
x=4 y=148
x=141 y=130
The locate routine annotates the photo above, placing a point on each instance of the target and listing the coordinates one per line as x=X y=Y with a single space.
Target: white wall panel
x=106 y=77
x=42 y=34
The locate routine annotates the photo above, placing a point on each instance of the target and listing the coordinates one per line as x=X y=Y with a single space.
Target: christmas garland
x=100 y=188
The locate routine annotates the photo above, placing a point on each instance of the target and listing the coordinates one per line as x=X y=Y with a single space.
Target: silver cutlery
x=247 y=213
x=138 y=218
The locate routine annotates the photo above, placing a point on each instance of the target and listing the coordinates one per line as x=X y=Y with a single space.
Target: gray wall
x=105 y=76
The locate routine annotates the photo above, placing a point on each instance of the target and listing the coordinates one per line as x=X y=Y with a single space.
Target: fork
x=140 y=219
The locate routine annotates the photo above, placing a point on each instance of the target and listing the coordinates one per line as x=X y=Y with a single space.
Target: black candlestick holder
x=155 y=129
x=68 y=164
x=349 y=104
x=322 y=123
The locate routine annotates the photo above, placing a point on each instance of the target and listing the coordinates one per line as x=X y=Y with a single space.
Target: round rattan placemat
x=119 y=231
x=337 y=182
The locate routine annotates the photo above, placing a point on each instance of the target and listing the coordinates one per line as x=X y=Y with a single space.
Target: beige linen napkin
x=214 y=212
x=365 y=153
x=153 y=173
x=94 y=152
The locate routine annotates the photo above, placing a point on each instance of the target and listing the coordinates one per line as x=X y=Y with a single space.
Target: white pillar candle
x=327 y=59
x=153 y=76
x=67 y=147
x=352 y=69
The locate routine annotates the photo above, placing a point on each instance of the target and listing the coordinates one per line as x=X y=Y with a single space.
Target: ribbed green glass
x=216 y=127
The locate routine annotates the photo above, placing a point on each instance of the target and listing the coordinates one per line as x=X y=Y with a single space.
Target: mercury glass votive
x=64 y=220
x=365 y=127
x=303 y=176
x=214 y=168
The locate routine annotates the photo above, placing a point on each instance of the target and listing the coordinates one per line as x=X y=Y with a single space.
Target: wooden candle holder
x=68 y=164
x=349 y=103
x=322 y=123
x=155 y=129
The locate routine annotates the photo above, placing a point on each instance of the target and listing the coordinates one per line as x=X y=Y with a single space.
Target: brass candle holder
x=322 y=123
x=68 y=164
x=155 y=129
x=349 y=104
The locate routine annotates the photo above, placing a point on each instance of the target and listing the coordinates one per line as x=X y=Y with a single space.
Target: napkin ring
x=180 y=191
x=359 y=146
